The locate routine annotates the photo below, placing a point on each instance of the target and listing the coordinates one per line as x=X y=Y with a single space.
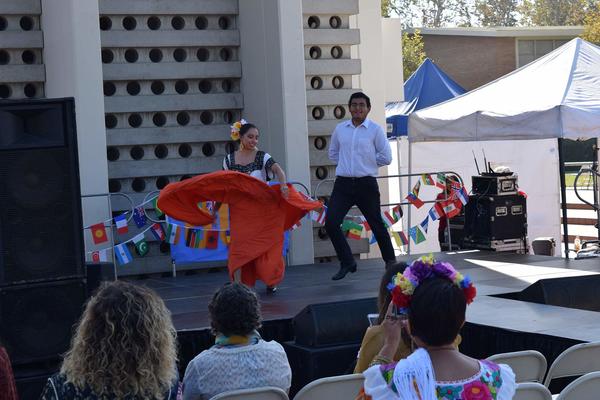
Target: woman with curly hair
x=240 y=358
x=124 y=348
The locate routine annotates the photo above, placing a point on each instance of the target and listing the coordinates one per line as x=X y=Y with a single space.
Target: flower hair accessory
x=235 y=129
x=403 y=285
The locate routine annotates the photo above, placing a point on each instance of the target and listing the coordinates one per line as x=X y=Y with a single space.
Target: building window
x=529 y=50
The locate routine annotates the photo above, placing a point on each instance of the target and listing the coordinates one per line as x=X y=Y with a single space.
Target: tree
x=496 y=12
x=554 y=12
x=429 y=13
x=591 y=29
x=413 y=52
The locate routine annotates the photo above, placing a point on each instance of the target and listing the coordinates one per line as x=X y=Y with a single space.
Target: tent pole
x=408 y=191
x=563 y=195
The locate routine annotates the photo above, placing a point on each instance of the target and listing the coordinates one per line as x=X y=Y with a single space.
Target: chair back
x=585 y=387
x=576 y=360
x=528 y=365
x=532 y=391
x=261 y=393
x=335 y=387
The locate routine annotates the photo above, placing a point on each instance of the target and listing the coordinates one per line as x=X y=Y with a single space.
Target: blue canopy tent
x=427 y=86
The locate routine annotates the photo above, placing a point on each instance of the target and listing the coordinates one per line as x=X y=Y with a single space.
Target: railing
x=316 y=194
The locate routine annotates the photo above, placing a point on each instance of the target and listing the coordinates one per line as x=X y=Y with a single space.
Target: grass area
x=585 y=180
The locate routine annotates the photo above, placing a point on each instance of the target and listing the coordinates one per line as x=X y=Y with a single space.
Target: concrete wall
x=391 y=34
x=273 y=83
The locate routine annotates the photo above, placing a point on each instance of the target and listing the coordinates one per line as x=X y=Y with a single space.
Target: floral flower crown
x=403 y=285
x=235 y=129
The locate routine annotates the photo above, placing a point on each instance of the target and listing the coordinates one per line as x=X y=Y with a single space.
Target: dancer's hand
x=285 y=191
x=392 y=328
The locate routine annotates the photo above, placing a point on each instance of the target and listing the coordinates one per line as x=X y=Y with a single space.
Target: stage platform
x=495 y=321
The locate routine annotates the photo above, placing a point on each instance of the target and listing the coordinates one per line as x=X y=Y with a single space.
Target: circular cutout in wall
x=161 y=151
x=129 y=23
x=155 y=55
x=320 y=143
x=185 y=150
x=110 y=121
x=109 y=88
x=3 y=23
x=206 y=117
x=114 y=186
x=4 y=57
x=202 y=54
x=314 y=22
x=137 y=152
x=335 y=22
x=107 y=56
x=208 y=149
x=201 y=22
x=225 y=54
x=135 y=120
x=178 y=23
x=181 y=87
x=159 y=119
x=157 y=87
x=339 y=112
x=5 y=91
x=133 y=88
x=227 y=85
x=316 y=82
x=131 y=55
x=315 y=52
x=204 y=86
x=224 y=22
x=26 y=23
x=337 y=52
x=105 y=23
x=228 y=117
x=28 y=57
x=161 y=182
x=179 y=54
x=337 y=82
x=183 y=118
x=321 y=173
x=30 y=90
x=112 y=153
x=322 y=233
x=154 y=23
x=318 y=113
x=138 y=185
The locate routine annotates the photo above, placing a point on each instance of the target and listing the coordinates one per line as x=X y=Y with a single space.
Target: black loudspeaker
x=579 y=292
x=489 y=218
x=309 y=364
x=37 y=320
x=336 y=323
x=41 y=234
x=96 y=273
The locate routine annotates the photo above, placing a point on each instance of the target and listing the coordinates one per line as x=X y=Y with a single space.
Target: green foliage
x=413 y=52
x=554 y=12
x=591 y=29
x=496 y=12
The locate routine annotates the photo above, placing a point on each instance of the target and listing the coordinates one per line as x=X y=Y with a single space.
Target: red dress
x=258 y=217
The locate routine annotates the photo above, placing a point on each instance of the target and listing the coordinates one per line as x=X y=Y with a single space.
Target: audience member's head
x=125 y=344
x=437 y=311
x=234 y=310
x=384 y=297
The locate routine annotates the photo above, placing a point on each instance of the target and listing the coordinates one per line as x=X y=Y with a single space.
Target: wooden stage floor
x=187 y=296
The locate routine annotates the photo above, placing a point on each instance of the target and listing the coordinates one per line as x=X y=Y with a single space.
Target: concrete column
x=273 y=84
x=74 y=69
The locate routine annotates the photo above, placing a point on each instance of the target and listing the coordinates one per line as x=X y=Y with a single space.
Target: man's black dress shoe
x=271 y=289
x=343 y=271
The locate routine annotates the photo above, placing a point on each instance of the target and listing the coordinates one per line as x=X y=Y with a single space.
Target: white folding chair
x=532 y=391
x=574 y=361
x=528 y=365
x=586 y=387
x=335 y=387
x=261 y=393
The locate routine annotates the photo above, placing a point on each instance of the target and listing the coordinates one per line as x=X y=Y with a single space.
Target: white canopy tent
x=556 y=96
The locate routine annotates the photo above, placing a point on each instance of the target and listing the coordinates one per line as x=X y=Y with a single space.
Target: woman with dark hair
x=434 y=296
x=8 y=390
x=240 y=358
x=123 y=348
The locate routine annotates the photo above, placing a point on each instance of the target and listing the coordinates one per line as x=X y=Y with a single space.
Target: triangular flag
x=397 y=212
x=414 y=200
x=403 y=238
x=441 y=180
x=427 y=179
x=347 y=224
x=355 y=231
x=416 y=189
x=425 y=224
x=296 y=225
x=399 y=238
x=123 y=254
x=388 y=220
x=121 y=223
x=450 y=208
x=436 y=212
x=172 y=233
x=158 y=211
x=416 y=234
x=99 y=256
x=139 y=216
x=141 y=246
x=212 y=239
x=319 y=216
x=463 y=195
x=157 y=231
x=373 y=239
x=364 y=222
x=99 y=233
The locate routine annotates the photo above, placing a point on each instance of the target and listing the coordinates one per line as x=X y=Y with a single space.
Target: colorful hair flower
x=403 y=285
x=235 y=129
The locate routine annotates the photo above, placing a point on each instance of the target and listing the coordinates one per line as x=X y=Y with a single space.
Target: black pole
x=563 y=194
x=595 y=185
